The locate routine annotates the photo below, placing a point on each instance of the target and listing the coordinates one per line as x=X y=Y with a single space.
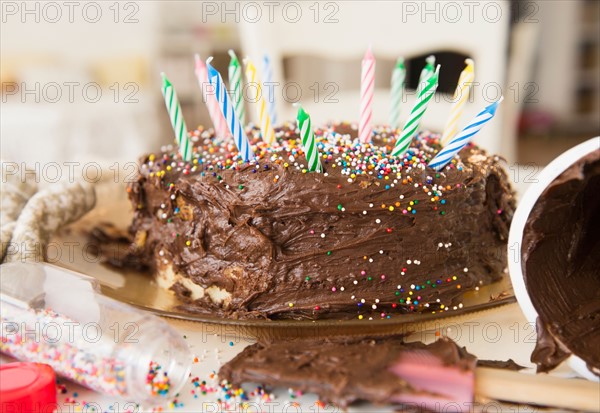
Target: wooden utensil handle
x=541 y=389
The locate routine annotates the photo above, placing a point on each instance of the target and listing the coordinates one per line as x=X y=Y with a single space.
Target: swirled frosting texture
x=561 y=266
x=373 y=236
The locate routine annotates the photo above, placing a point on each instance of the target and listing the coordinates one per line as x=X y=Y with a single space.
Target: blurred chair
x=112 y=114
x=393 y=29
x=524 y=41
x=115 y=120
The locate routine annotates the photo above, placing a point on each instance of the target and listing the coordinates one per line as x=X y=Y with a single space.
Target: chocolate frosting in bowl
x=561 y=266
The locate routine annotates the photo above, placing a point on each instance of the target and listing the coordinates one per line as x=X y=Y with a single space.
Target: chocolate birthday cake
x=371 y=236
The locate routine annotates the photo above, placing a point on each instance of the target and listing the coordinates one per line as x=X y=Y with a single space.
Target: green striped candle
x=412 y=124
x=235 y=86
x=309 y=144
x=426 y=73
x=398 y=77
x=174 y=109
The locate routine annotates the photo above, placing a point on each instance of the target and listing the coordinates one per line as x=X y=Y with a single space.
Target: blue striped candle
x=233 y=122
x=269 y=88
x=459 y=141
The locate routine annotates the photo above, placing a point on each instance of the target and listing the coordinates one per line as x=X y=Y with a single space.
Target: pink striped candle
x=367 y=90
x=210 y=99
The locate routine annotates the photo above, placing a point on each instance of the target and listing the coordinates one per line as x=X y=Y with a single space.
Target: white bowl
x=515 y=238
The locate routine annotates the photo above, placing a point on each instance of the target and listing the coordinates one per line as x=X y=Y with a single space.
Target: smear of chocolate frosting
x=509 y=364
x=113 y=246
x=561 y=266
x=548 y=352
x=262 y=243
x=340 y=370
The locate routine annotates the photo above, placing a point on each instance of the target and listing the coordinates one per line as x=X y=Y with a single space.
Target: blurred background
x=80 y=80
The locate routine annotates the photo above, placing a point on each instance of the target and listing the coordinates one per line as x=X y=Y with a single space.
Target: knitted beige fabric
x=30 y=217
x=17 y=185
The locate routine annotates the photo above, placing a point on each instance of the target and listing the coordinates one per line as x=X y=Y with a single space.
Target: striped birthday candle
x=266 y=128
x=233 y=122
x=214 y=111
x=461 y=95
x=426 y=72
x=309 y=144
x=235 y=86
x=270 y=88
x=177 y=121
x=367 y=90
x=459 y=141
x=414 y=119
x=397 y=90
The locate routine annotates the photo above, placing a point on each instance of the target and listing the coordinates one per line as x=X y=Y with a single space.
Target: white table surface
x=496 y=334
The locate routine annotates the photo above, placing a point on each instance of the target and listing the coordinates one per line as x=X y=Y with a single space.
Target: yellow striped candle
x=266 y=128
x=461 y=95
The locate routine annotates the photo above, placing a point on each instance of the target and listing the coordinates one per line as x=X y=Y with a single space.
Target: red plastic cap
x=27 y=388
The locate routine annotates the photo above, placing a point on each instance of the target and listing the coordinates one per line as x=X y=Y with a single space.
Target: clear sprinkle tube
x=59 y=317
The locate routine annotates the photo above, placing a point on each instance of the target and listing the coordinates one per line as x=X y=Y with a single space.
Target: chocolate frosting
x=342 y=370
x=561 y=266
x=112 y=246
x=395 y=237
x=548 y=352
x=509 y=364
